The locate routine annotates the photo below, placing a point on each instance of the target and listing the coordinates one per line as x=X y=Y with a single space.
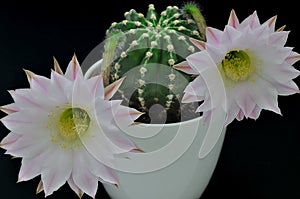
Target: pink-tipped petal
x=255 y=113
x=121 y=118
x=107 y=174
x=81 y=94
x=280 y=72
x=252 y=21
x=75 y=188
x=31 y=167
x=21 y=98
x=97 y=88
x=197 y=87
x=213 y=36
x=271 y=23
x=11 y=138
x=40 y=187
x=230 y=35
x=83 y=178
x=26 y=122
x=73 y=69
x=198 y=43
x=103 y=152
x=57 y=67
x=9 y=108
x=216 y=53
x=265 y=95
x=278 y=38
x=37 y=81
x=240 y=115
x=188 y=98
x=27 y=146
x=287 y=88
x=231 y=114
x=233 y=19
x=205 y=106
x=111 y=89
x=201 y=61
x=186 y=68
x=56 y=170
x=15 y=123
x=29 y=75
x=293 y=58
x=60 y=87
x=125 y=116
x=244 y=101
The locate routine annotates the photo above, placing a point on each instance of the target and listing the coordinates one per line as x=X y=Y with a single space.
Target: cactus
x=144 y=49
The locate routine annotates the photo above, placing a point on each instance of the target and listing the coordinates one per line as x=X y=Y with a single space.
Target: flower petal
x=57 y=67
x=185 y=67
x=125 y=116
x=99 y=145
x=107 y=174
x=9 y=108
x=280 y=72
x=271 y=23
x=287 y=88
x=233 y=19
x=278 y=38
x=255 y=113
x=28 y=121
x=32 y=167
x=56 y=170
x=265 y=95
x=198 y=43
x=37 y=82
x=200 y=61
x=73 y=70
x=60 y=87
x=81 y=95
x=230 y=36
x=232 y=113
x=23 y=98
x=83 y=178
x=11 y=138
x=293 y=58
x=28 y=146
x=252 y=21
x=40 y=187
x=213 y=36
x=75 y=188
x=112 y=88
x=244 y=100
x=97 y=88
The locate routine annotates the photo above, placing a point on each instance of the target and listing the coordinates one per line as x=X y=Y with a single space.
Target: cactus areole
x=144 y=49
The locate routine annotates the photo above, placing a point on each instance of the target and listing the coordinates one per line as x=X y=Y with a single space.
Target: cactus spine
x=144 y=49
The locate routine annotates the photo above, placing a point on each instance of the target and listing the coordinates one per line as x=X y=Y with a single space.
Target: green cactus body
x=144 y=49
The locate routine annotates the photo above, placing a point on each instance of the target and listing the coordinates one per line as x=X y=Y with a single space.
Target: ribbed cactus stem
x=149 y=45
x=193 y=10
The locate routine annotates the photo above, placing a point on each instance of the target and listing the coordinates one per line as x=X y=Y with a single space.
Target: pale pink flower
x=253 y=62
x=53 y=121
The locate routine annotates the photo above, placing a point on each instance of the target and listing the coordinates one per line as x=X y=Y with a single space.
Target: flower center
x=73 y=122
x=237 y=65
x=67 y=125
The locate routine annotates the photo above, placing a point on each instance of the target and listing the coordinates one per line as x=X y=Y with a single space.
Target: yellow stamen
x=68 y=126
x=237 y=65
x=73 y=122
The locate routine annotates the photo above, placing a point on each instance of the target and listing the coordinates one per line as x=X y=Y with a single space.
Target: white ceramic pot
x=175 y=170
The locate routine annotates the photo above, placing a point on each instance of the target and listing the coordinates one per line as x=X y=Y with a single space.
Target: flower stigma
x=237 y=65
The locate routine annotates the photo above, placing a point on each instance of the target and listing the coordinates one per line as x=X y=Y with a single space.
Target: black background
x=259 y=160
